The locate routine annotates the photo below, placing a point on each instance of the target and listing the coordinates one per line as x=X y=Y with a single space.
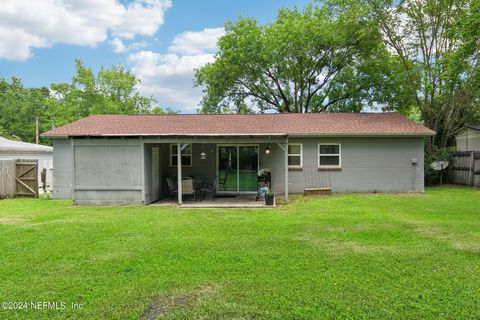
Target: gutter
x=312 y=135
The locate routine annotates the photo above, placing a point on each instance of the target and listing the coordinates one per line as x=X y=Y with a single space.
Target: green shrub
x=432 y=177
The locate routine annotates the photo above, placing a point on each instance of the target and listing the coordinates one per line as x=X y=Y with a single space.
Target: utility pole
x=36 y=129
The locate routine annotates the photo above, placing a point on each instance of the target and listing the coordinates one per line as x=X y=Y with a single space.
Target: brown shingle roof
x=315 y=124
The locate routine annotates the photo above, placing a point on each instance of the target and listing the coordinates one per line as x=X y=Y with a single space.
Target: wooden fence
x=466 y=168
x=18 y=178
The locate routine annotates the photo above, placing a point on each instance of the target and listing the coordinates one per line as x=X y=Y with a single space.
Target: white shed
x=468 y=138
x=11 y=150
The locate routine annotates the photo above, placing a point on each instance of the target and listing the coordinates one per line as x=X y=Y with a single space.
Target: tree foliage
x=110 y=91
x=418 y=57
x=434 y=46
x=19 y=107
x=304 y=61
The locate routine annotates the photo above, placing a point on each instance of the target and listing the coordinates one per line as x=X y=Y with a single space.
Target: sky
x=160 y=41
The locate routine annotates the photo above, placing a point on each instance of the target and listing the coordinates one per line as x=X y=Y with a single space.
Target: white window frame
x=296 y=155
x=339 y=155
x=182 y=155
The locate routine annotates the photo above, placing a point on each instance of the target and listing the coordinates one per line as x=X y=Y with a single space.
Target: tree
x=305 y=61
x=19 y=106
x=435 y=54
x=110 y=91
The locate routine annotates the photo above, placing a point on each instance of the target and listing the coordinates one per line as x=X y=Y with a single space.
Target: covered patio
x=213 y=171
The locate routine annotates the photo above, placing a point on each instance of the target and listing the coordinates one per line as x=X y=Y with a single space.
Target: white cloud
x=169 y=77
x=142 y=17
x=120 y=47
x=26 y=24
x=15 y=43
x=196 y=42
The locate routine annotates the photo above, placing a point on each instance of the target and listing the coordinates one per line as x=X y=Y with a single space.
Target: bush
x=432 y=177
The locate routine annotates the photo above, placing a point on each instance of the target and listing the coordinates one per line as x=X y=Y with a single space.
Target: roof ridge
x=243 y=114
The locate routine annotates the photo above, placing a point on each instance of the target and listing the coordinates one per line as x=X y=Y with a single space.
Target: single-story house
x=106 y=159
x=13 y=150
x=468 y=138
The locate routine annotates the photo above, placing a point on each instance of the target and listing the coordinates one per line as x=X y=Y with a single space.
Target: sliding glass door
x=227 y=168
x=247 y=168
x=237 y=168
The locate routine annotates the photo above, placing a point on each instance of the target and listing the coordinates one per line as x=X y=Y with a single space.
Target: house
x=468 y=138
x=105 y=159
x=12 y=150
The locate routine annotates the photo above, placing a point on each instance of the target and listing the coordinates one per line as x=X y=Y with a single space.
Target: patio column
x=179 y=172
x=286 y=171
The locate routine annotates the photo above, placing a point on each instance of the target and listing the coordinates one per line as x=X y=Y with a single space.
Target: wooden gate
x=26 y=177
x=466 y=168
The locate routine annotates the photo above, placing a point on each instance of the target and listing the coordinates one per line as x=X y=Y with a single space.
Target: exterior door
x=237 y=168
x=227 y=168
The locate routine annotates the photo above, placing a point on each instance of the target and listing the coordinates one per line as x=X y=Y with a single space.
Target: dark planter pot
x=269 y=199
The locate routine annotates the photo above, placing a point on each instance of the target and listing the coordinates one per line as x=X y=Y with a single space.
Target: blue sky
x=161 y=41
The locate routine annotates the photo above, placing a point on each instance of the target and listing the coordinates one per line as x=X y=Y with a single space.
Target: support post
x=179 y=173
x=286 y=171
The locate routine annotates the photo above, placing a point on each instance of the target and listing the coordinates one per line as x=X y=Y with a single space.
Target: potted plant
x=269 y=198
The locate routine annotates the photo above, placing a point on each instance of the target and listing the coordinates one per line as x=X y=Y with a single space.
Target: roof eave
x=303 y=135
x=362 y=135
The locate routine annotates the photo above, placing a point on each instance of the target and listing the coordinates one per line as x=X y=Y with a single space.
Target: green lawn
x=348 y=256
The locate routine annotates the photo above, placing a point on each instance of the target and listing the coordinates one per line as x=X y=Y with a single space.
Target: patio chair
x=172 y=188
x=222 y=182
x=212 y=188
x=187 y=189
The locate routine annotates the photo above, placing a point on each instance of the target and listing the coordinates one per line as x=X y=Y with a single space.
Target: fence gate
x=466 y=168
x=26 y=176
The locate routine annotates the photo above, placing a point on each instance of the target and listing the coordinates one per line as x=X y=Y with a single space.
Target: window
x=329 y=155
x=186 y=155
x=295 y=155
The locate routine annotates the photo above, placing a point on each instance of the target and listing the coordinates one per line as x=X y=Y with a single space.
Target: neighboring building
x=126 y=158
x=12 y=150
x=468 y=138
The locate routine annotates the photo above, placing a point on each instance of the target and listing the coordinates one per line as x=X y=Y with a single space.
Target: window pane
x=187 y=149
x=329 y=160
x=294 y=149
x=186 y=161
x=293 y=160
x=173 y=148
x=329 y=149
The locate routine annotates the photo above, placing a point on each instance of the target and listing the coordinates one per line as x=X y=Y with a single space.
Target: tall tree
x=19 y=106
x=112 y=91
x=302 y=62
x=435 y=53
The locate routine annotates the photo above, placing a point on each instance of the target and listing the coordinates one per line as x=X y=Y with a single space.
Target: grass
x=355 y=256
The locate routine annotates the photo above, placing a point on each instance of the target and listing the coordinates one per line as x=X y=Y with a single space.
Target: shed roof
x=20 y=146
x=294 y=124
x=473 y=126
